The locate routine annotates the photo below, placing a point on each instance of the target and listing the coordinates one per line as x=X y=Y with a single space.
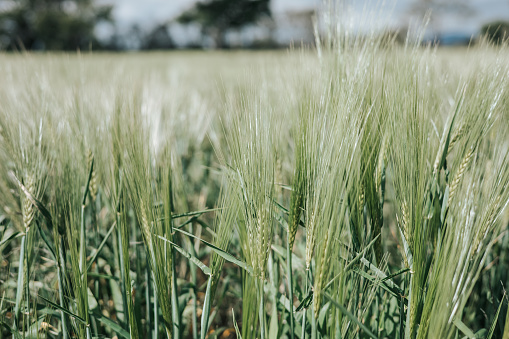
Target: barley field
x=353 y=190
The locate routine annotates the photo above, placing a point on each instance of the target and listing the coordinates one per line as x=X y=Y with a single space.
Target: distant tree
x=497 y=31
x=51 y=24
x=216 y=17
x=158 y=38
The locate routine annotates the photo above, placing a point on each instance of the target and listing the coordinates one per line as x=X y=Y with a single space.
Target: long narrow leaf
x=186 y=254
x=350 y=316
x=77 y=317
x=227 y=256
x=111 y=324
x=98 y=250
x=206 y=310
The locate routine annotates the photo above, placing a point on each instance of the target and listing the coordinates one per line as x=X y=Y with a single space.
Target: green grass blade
x=463 y=328
x=494 y=324
x=46 y=241
x=225 y=255
x=9 y=238
x=239 y=336
x=194 y=213
x=101 y=245
x=21 y=279
x=77 y=317
x=206 y=310
x=111 y=324
x=205 y=269
x=350 y=316
x=87 y=185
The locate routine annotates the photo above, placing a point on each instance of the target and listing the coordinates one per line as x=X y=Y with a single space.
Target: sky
x=398 y=13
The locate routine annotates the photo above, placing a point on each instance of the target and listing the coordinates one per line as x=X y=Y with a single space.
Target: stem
x=193 y=296
x=156 y=316
x=195 y=315
x=290 y=285
x=61 y=296
x=261 y=314
x=83 y=268
x=122 y=273
x=206 y=310
x=313 y=322
x=175 y=314
x=147 y=301
x=174 y=301
x=21 y=280
x=304 y=311
x=408 y=317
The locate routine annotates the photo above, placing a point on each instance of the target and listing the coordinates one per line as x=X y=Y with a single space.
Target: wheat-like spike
x=456 y=136
x=145 y=226
x=382 y=159
x=317 y=298
x=310 y=240
x=93 y=178
x=459 y=174
x=488 y=222
x=406 y=223
x=261 y=249
x=401 y=226
x=297 y=202
x=28 y=208
x=278 y=174
x=362 y=198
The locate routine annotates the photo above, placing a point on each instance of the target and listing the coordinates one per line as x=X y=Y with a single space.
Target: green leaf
x=463 y=328
x=396 y=274
x=198 y=213
x=47 y=242
x=225 y=255
x=9 y=238
x=350 y=316
x=98 y=250
x=77 y=317
x=297 y=262
x=448 y=138
x=205 y=269
x=273 y=327
x=384 y=278
x=352 y=262
x=492 y=328
x=305 y=302
x=15 y=333
x=206 y=310
x=21 y=278
x=87 y=186
x=394 y=291
x=111 y=324
x=239 y=336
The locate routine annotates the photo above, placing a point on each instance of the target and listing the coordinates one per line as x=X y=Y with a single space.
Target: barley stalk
x=459 y=173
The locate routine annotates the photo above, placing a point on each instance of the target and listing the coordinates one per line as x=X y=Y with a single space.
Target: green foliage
x=218 y=16
x=496 y=31
x=51 y=25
